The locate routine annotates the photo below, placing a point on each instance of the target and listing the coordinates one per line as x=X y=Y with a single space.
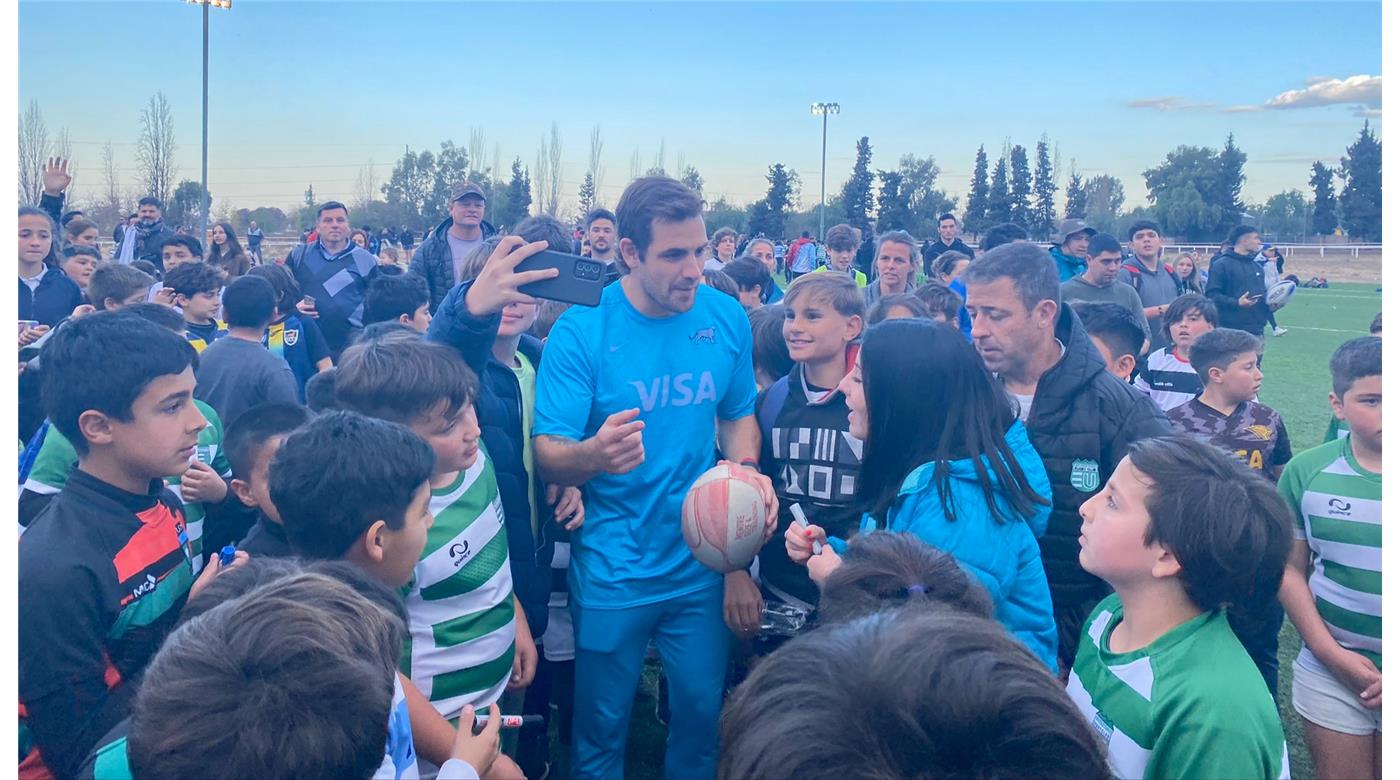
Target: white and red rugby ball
x=723 y=516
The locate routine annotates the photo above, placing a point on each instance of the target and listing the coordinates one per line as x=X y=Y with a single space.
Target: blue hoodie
x=1004 y=557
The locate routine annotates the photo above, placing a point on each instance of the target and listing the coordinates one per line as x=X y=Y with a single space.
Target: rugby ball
x=722 y=518
x=1279 y=293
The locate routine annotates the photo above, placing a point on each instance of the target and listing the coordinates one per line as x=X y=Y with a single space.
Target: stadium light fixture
x=204 y=122
x=823 y=110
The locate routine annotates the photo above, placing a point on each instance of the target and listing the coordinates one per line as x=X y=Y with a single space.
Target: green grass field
x=1296 y=383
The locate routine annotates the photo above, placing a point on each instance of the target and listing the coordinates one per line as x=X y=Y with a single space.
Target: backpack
x=771 y=403
x=1135 y=278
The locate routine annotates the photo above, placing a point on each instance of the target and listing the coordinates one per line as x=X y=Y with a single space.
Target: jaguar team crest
x=1084 y=475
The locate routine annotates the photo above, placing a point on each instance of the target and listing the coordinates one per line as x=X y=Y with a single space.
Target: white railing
x=1288 y=250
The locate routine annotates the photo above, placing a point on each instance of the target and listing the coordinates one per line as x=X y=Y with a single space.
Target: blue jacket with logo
x=1002 y=556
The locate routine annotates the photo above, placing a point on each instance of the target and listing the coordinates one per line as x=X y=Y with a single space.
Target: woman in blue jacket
x=947 y=460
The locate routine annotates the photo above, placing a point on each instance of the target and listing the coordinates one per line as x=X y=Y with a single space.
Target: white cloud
x=1167 y=103
x=1363 y=89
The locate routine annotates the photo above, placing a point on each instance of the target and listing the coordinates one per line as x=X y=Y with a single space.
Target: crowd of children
x=247 y=549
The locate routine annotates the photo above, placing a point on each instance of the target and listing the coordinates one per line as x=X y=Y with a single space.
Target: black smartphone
x=580 y=279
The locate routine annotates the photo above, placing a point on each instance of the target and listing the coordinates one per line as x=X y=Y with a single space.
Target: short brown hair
x=841 y=238
x=402 y=377
x=649 y=198
x=836 y=289
x=303 y=650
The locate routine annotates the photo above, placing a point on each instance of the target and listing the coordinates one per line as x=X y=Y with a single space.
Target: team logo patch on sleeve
x=1084 y=475
x=290 y=336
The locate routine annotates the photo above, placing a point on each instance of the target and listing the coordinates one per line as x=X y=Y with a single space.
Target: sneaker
x=1279 y=331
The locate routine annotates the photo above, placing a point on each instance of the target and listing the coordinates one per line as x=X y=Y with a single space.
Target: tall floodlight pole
x=823 y=110
x=204 y=123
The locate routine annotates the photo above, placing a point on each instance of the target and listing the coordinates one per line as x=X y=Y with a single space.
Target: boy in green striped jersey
x=468 y=637
x=1180 y=530
x=1332 y=586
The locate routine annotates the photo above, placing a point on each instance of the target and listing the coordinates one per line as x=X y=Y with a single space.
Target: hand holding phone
x=498 y=285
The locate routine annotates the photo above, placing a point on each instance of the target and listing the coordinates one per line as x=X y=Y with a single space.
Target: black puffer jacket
x=433 y=261
x=1231 y=276
x=1081 y=422
x=498 y=411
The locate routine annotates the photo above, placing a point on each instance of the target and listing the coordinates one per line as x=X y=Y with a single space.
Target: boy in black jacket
x=1236 y=284
x=807 y=451
x=105 y=568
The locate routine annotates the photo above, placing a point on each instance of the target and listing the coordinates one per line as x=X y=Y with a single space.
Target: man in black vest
x=1081 y=419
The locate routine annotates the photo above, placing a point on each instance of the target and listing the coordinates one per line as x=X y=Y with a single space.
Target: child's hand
x=799 y=540
x=31 y=334
x=480 y=749
x=213 y=569
x=165 y=296
x=1357 y=673
x=568 y=505
x=819 y=567
x=202 y=484
x=307 y=308
x=522 y=669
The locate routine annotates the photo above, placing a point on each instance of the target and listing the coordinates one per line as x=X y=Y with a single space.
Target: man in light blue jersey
x=631 y=398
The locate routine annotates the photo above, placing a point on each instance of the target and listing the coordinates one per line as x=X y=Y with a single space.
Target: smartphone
x=580 y=279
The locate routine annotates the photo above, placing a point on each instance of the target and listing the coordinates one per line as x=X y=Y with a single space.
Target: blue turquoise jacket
x=1004 y=557
x=1068 y=265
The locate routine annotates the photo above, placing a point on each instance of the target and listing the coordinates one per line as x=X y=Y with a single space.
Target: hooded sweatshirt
x=1004 y=557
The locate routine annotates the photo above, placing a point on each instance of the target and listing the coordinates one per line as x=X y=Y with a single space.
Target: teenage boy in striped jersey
x=468 y=637
x=1335 y=493
x=1169 y=380
x=1180 y=531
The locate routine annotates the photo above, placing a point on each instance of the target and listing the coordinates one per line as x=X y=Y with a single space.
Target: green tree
x=410 y=185
x=894 y=208
x=1286 y=215
x=691 y=178
x=1324 y=218
x=722 y=213
x=1103 y=197
x=586 y=194
x=769 y=215
x=999 y=196
x=1076 y=206
x=183 y=208
x=1361 y=197
x=1043 y=209
x=1020 y=187
x=975 y=218
x=517 y=196
x=857 y=193
x=923 y=202
x=1180 y=191
x=449 y=169
x=269 y=218
x=1225 y=192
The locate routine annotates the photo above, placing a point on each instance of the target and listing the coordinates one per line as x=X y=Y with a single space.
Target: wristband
x=749 y=462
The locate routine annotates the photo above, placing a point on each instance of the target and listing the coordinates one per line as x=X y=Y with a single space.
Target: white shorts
x=1321 y=699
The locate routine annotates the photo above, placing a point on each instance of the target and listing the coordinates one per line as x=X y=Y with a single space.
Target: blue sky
x=308 y=92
